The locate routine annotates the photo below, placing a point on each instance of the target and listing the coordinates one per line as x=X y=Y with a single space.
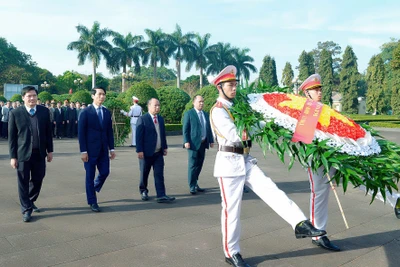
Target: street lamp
x=126 y=76
x=296 y=83
x=45 y=85
x=78 y=82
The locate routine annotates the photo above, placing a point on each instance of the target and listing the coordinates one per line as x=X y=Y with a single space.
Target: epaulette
x=219 y=104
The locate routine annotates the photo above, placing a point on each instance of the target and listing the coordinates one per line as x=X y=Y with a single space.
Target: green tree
x=306 y=66
x=242 y=62
x=375 y=79
x=182 y=48
x=142 y=90
x=326 y=72
x=83 y=96
x=349 y=78
x=126 y=53
x=191 y=84
x=16 y=97
x=222 y=57
x=45 y=96
x=92 y=45
x=287 y=75
x=268 y=71
x=395 y=99
x=209 y=93
x=100 y=81
x=156 y=50
x=201 y=56
x=65 y=81
x=2 y=98
x=173 y=101
x=335 y=51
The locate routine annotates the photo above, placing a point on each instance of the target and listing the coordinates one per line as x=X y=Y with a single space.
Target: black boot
x=325 y=243
x=306 y=229
x=237 y=261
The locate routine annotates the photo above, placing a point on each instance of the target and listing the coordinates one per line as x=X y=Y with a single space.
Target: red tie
x=155 y=119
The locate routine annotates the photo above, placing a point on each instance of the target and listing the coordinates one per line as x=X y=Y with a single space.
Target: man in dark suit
x=72 y=120
x=151 y=146
x=58 y=120
x=30 y=142
x=197 y=137
x=96 y=143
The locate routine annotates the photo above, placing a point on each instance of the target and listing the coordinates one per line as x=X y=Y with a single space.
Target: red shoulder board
x=218 y=104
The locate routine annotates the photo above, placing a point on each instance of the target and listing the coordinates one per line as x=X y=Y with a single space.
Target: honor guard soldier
x=134 y=113
x=235 y=168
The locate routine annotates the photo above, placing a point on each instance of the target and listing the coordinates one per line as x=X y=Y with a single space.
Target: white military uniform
x=134 y=113
x=235 y=170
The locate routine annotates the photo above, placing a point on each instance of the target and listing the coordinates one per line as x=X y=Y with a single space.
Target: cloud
x=366 y=42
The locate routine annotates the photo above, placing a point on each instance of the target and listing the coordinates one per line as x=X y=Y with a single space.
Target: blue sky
x=282 y=29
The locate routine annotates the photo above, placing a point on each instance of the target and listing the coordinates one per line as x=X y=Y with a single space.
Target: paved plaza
x=130 y=232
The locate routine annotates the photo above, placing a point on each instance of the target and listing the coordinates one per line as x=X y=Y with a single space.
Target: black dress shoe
x=94 y=207
x=145 y=197
x=199 y=189
x=306 y=229
x=325 y=243
x=26 y=217
x=397 y=208
x=165 y=199
x=35 y=209
x=237 y=261
x=193 y=192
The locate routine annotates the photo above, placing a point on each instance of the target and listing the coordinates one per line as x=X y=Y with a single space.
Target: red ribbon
x=307 y=122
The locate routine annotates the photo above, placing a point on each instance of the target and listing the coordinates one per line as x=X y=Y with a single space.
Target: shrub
x=141 y=90
x=82 y=96
x=16 y=97
x=173 y=101
x=121 y=123
x=45 y=96
x=2 y=98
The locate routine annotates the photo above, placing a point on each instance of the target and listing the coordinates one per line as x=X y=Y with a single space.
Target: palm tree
x=92 y=45
x=155 y=49
x=242 y=62
x=202 y=53
x=221 y=58
x=182 y=48
x=125 y=53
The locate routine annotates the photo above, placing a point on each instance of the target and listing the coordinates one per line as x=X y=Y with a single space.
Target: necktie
x=155 y=119
x=203 y=128
x=100 y=116
x=32 y=111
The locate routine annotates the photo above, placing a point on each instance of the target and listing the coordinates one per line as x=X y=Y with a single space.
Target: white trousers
x=133 y=126
x=266 y=189
x=319 y=197
x=391 y=198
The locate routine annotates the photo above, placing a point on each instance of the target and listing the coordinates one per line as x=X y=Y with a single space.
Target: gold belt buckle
x=246 y=150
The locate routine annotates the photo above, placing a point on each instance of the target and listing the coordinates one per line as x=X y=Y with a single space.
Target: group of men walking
x=31 y=142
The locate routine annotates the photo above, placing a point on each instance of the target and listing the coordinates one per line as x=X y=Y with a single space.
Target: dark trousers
x=195 y=164
x=71 y=129
x=65 y=129
x=30 y=178
x=102 y=162
x=4 y=130
x=59 y=129
x=157 y=162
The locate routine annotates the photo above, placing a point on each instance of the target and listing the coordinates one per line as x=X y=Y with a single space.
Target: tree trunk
x=201 y=78
x=94 y=75
x=178 y=72
x=123 y=79
x=155 y=73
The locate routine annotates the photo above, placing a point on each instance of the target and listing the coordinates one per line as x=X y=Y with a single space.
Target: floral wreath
x=358 y=153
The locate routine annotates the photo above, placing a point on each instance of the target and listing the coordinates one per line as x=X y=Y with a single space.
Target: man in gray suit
x=197 y=137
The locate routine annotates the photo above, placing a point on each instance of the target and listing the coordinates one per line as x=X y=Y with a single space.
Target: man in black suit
x=197 y=137
x=30 y=142
x=96 y=143
x=72 y=120
x=58 y=120
x=151 y=146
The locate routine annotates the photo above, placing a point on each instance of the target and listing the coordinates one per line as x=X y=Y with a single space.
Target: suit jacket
x=94 y=137
x=20 y=133
x=192 y=129
x=146 y=135
x=72 y=115
x=58 y=116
